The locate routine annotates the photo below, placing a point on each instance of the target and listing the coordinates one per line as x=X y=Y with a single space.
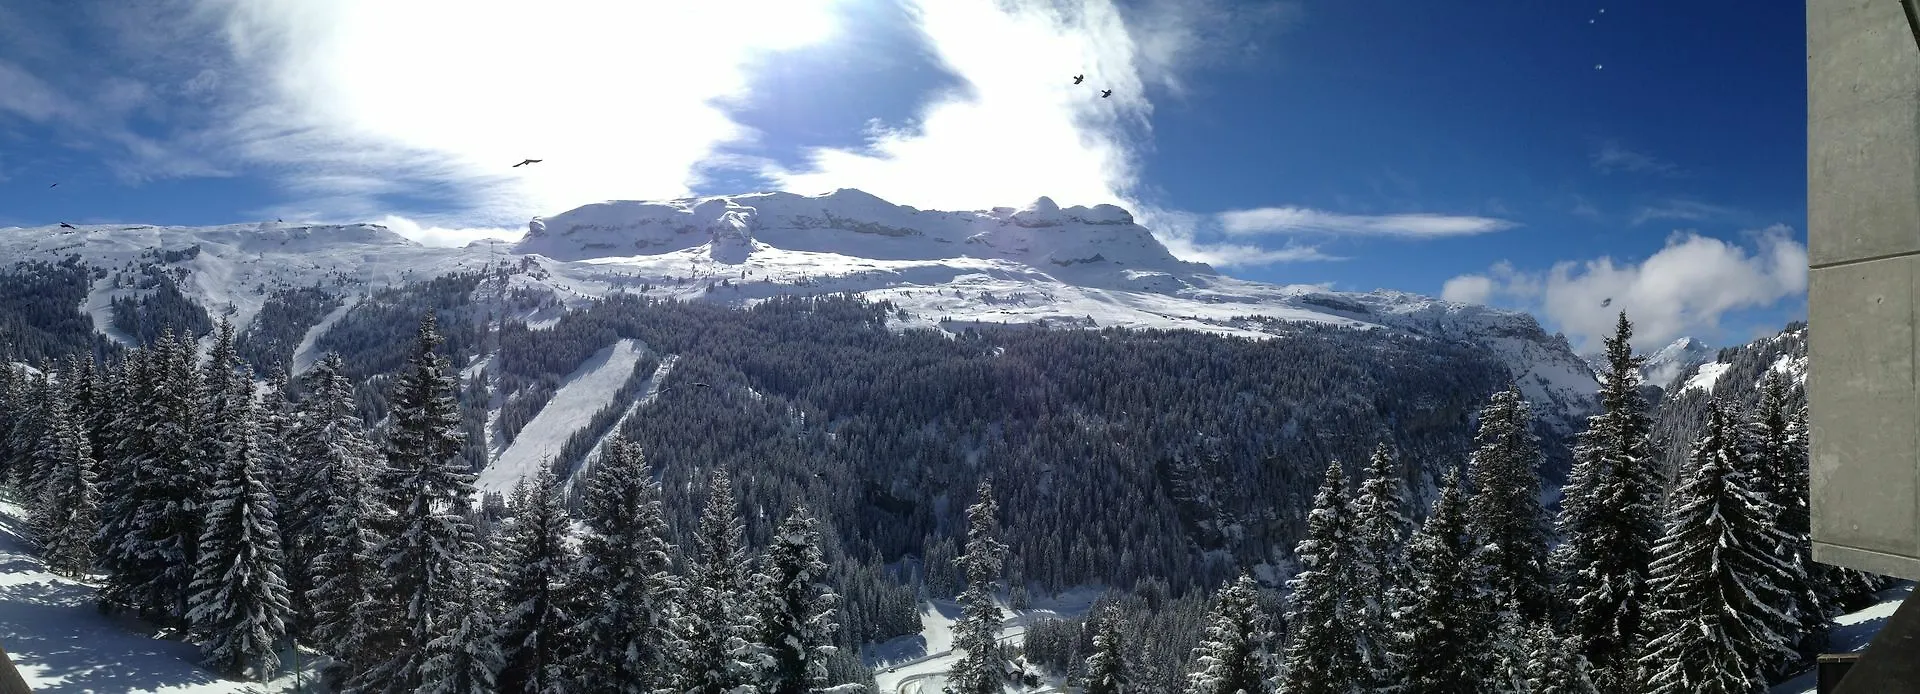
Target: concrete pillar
x=1863 y=242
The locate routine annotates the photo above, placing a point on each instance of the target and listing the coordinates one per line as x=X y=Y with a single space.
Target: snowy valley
x=1029 y=426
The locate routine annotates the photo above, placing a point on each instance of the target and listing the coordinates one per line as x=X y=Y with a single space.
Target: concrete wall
x=1863 y=228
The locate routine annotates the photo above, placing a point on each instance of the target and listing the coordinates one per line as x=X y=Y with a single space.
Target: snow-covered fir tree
x=724 y=653
x=1554 y=664
x=1323 y=654
x=30 y=435
x=1507 y=653
x=1380 y=529
x=1504 y=512
x=1716 y=578
x=428 y=486
x=1609 y=522
x=1779 y=465
x=1444 y=615
x=1107 y=670
x=983 y=668
x=239 y=604
x=66 y=514
x=123 y=486
x=1235 y=653
x=346 y=572
x=628 y=644
x=326 y=442
x=796 y=609
x=537 y=566
x=173 y=474
x=464 y=658
x=12 y=397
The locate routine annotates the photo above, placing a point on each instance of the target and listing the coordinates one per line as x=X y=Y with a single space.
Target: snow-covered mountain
x=1039 y=264
x=1681 y=356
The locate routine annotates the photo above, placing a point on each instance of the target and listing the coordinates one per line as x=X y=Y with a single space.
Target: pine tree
x=1554 y=664
x=797 y=614
x=429 y=488
x=1233 y=655
x=1380 y=528
x=1504 y=513
x=538 y=564
x=1716 y=577
x=1609 y=523
x=1779 y=472
x=346 y=572
x=326 y=443
x=463 y=658
x=12 y=395
x=1323 y=653
x=627 y=641
x=982 y=670
x=34 y=452
x=239 y=604
x=1107 y=670
x=66 y=515
x=724 y=653
x=173 y=475
x=124 y=485
x=1444 y=616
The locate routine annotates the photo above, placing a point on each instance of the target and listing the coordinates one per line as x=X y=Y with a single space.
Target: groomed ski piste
x=60 y=642
x=586 y=391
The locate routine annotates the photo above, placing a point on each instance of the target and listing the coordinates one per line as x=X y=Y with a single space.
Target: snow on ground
x=99 y=308
x=1704 y=377
x=61 y=643
x=917 y=664
x=1851 y=633
x=584 y=392
x=305 y=355
x=648 y=393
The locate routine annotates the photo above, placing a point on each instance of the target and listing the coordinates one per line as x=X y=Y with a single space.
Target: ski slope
x=61 y=643
x=586 y=391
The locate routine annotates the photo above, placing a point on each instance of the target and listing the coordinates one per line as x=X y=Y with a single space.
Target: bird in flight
x=1077 y=78
x=524 y=163
x=1608 y=302
x=1104 y=93
x=56 y=185
x=65 y=225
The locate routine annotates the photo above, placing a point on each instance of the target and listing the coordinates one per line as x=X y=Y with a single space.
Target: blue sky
x=1543 y=156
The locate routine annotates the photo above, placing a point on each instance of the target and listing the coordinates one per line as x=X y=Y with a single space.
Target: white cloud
x=442 y=236
x=1612 y=157
x=1468 y=289
x=1018 y=128
x=1681 y=209
x=1683 y=289
x=1182 y=234
x=436 y=98
x=1295 y=220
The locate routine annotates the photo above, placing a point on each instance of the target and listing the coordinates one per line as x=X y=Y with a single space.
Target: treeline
x=252 y=518
x=40 y=317
x=1711 y=588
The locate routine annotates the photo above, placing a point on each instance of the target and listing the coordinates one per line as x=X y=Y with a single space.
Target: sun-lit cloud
x=436 y=98
x=1297 y=220
x=442 y=236
x=1683 y=289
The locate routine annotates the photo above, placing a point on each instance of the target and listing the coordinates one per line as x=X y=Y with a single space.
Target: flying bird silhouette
x=1078 y=78
x=1608 y=302
x=56 y=185
x=524 y=163
x=65 y=225
x=1104 y=93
